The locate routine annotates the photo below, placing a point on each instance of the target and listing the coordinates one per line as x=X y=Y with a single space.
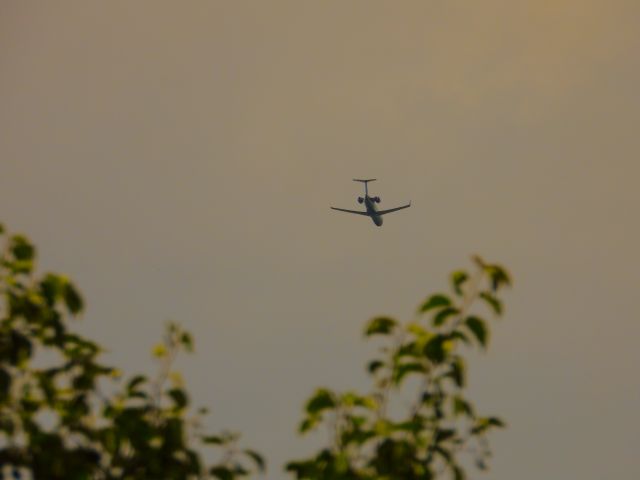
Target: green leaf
x=457 y=372
x=187 y=341
x=498 y=276
x=380 y=325
x=18 y=350
x=435 y=349
x=496 y=422
x=5 y=384
x=72 y=298
x=160 y=350
x=458 y=473
x=405 y=369
x=411 y=349
x=478 y=328
x=179 y=397
x=435 y=301
x=444 y=453
x=483 y=424
x=257 y=459
x=223 y=473
x=444 y=435
x=457 y=279
x=461 y=406
x=458 y=335
x=213 y=440
x=443 y=314
x=52 y=287
x=22 y=266
x=309 y=423
x=351 y=399
x=374 y=365
x=415 y=425
x=134 y=382
x=321 y=400
x=493 y=302
x=21 y=248
x=2 y=230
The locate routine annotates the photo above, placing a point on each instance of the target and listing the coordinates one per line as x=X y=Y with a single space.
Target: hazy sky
x=177 y=159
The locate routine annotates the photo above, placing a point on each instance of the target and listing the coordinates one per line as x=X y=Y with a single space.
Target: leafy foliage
x=369 y=439
x=56 y=421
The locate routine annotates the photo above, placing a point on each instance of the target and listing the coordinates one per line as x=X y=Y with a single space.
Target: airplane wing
x=351 y=211
x=382 y=212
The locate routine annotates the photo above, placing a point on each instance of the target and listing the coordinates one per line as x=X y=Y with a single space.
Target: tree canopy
x=66 y=415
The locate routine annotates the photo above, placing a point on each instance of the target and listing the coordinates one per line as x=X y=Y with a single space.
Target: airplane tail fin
x=366 y=183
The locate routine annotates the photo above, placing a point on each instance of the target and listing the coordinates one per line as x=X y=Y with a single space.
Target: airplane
x=370 y=205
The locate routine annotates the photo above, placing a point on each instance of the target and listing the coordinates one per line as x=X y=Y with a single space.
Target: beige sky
x=178 y=161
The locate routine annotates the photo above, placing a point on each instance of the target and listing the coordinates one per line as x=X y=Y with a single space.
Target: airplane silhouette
x=370 y=205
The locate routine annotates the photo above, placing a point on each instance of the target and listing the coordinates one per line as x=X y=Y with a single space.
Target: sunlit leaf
x=416 y=329
x=160 y=350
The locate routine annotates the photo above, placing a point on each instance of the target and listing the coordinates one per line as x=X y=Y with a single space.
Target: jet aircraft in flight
x=370 y=205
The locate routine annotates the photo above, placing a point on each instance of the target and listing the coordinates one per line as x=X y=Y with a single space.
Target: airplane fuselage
x=372 y=211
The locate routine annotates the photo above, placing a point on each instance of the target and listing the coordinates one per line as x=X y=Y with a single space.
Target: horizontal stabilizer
x=364 y=181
